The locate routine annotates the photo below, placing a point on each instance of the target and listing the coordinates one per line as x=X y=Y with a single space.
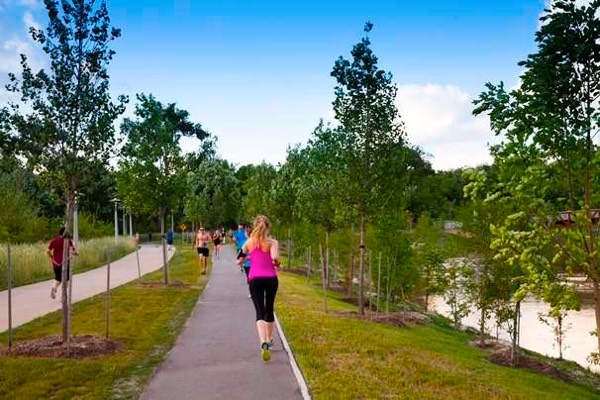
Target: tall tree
x=151 y=177
x=365 y=105
x=552 y=119
x=213 y=195
x=68 y=117
x=259 y=185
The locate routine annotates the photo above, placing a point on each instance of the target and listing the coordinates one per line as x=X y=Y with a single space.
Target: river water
x=578 y=343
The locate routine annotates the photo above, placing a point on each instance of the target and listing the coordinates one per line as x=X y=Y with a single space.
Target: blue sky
x=256 y=73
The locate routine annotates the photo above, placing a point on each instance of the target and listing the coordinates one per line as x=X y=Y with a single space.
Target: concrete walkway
x=33 y=301
x=217 y=356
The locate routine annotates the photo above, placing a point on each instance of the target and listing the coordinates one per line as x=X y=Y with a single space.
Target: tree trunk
x=361 y=294
x=514 y=353
x=323 y=277
x=9 y=284
x=482 y=326
x=66 y=273
x=161 y=215
x=597 y=310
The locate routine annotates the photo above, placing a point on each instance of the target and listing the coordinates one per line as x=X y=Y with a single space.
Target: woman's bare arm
x=275 y=251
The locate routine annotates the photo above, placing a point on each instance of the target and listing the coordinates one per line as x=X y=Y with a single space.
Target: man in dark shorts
x=202 y=240
x=55 y=252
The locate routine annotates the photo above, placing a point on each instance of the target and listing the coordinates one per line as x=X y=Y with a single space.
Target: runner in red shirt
x=55 y=252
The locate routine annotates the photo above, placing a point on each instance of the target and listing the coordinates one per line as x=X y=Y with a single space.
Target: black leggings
x=263 y=291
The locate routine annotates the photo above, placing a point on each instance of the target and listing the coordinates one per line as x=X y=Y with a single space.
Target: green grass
x=145 y=319
x=347 y=358
x=30 y=262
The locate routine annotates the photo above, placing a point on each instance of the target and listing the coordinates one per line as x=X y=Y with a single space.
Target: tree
x=552 y=120
x=151 y=177
x=365 y=105
x=259 y=186
x=213 y=196
x=69 y=116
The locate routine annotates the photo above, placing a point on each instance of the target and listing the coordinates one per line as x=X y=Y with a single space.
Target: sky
x=256 y=74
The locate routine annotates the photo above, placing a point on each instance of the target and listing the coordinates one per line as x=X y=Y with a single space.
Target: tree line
x=358 y=197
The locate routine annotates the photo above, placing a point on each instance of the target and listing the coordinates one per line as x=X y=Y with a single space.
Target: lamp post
x=124 y=223
x=116 y=201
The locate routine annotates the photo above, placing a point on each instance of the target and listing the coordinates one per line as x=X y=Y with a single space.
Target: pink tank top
x=261 y=264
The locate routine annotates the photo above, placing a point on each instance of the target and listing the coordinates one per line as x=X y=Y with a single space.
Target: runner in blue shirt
x=240 y=237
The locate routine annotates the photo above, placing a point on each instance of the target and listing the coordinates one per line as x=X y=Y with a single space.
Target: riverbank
x=355 y=358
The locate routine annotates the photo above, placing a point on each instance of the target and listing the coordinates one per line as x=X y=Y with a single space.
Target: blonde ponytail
x=260 y=230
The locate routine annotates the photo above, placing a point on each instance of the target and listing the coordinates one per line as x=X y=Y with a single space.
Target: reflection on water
x=539 y=337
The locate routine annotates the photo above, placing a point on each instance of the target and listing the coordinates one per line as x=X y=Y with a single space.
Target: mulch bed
x=400 y=319
x=500 y=353
x=52 y=347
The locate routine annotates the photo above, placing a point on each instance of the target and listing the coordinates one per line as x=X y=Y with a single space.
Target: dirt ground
x=52 y=347
x=396 y=319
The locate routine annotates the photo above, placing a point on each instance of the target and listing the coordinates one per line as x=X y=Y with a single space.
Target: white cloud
x=10 y=51
x=29 y=21
x=28 y=3
x=438 y=119
x=10 y=55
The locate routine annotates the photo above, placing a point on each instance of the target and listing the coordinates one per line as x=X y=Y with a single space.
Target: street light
x=116 y=201
x=124 y=225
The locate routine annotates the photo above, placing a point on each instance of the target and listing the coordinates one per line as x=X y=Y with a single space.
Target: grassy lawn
x=144 y=319
x=346 y=358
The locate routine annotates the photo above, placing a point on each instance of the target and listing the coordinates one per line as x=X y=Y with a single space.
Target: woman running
x=217 y=238
x=264 y=252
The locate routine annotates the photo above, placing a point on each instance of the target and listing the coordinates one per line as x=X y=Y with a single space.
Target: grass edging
x=145 y=319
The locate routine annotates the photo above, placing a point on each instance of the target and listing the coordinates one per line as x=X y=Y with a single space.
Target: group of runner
x=258 y=258
x=202 y=240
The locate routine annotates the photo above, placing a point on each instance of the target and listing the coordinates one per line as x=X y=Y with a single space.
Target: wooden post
x=137 y=257
x=108 y=298
x=327 y=257
x=289 y=247
x=378 y=283
x=9 y=281
x=323 y=277
x=309 y=264
x=165 y=264
x=351 y=276
x=388 y=286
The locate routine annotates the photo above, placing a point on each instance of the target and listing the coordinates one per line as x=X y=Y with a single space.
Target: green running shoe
x=265 y=353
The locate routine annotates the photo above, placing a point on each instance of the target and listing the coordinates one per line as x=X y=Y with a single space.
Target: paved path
x=217 y=356
x=33 y=301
